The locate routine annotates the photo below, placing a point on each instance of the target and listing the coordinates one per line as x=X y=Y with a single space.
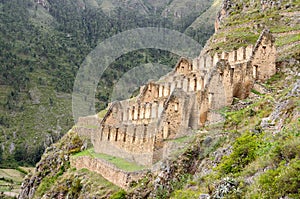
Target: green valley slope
x=253 y=154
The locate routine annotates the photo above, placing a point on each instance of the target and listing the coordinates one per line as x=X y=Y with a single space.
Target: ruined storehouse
x=185 y=99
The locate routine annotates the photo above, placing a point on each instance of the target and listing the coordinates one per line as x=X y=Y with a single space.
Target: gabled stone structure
x=187 y=98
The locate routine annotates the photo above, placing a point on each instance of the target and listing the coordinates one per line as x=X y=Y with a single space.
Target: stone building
x=185 y=99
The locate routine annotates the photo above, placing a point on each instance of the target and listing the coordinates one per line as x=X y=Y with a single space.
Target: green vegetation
x=279 y=181
x=202 y=27
x=184 y=139
x=237 y=31
x=119 y=195
x=255 y=92
x=118 y=162
x=102 y=113
x=244 y=151
x=45 y=184
x=240 y=37
x=274 y=157
x=247 y=157
x=186 y=194
x=284 y=29
x=244 y=118
x=175 y=184
x=82 y=183
x=275 y=78
x=11 y=180
x=287 y=40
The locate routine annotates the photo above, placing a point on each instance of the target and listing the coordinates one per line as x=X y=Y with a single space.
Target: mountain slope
x=201 y=28
x=254 y=153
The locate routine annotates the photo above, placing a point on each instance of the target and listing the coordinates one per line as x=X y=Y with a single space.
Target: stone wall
x=264 y=56
x=85 y=132
x=107 y=170
x=186 y=98
x=88 y=121
x=184 y=66
x=131 y=129
x=174 y=118
x=131 y=142
x=136 y=135
x=87 y=126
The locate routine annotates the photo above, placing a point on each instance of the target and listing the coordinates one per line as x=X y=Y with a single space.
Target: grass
x=118 y=162
x=250 y=116
x=255 y=92
x=287 y=40
x=45 y=185
x=276 y=157
x=186 y=194
x=183 y=139
x=25 y=170
x=102 y=113
x=238 y=35
x=289 y=52
x=283 y=29
x=4 y=91
x=11 y=179
x=11 y=174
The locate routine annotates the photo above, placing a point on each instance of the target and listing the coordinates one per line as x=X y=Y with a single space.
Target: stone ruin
x=186 y=99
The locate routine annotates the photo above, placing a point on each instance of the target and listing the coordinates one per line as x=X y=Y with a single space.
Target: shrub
x=186 y=194
x=46 y=183
x=244 y=152
x=255 y=92
x=283 y=181
x=119 y=195
x=75 y=189
x=287 y=151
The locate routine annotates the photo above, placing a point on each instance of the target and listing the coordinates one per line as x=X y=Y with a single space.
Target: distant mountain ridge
x=175 y=10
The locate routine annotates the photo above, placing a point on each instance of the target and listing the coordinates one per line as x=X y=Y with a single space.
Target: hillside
x=204 y=24
x=253 y=153
x=43 y=43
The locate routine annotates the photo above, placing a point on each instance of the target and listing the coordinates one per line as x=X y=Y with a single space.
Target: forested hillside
x=42 y=45
x=253 y=153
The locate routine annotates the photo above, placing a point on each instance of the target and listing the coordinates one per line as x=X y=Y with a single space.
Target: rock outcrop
x=54 y=161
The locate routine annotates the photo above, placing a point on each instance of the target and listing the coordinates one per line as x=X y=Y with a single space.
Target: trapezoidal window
x=255 y=68
x=134 y=135
x=176 y=106
x=117 y=134
x=108 y=135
